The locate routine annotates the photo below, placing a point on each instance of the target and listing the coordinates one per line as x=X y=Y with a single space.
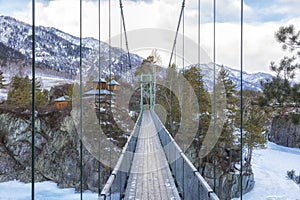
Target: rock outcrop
x=285 y=132
x=228 y=184
x=57 y=151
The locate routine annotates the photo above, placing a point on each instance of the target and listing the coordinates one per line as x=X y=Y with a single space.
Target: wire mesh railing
x=190 y=184
x=116 y=184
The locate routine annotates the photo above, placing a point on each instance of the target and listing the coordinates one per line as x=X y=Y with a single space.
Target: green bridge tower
x=146 y=84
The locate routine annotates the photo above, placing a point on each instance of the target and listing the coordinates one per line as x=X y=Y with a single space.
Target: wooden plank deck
x=150 y=177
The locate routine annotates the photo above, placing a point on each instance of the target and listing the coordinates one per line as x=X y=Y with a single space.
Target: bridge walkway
x=150 y=176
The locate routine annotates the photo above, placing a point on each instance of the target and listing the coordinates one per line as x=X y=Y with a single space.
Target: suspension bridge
x=151 y=165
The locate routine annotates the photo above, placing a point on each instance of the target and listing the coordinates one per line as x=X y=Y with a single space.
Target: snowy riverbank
x=15 y=190
x=270 y=168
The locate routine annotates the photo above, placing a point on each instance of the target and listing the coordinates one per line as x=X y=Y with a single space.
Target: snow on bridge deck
x=150 y=176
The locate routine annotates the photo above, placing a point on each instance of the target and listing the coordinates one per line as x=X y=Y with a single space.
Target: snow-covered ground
x=15 y=190
x=270 y=168
x=3 y=94
x=51 y=81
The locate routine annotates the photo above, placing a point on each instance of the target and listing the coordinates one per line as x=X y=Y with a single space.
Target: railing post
x=142 y=98
x=151 y=95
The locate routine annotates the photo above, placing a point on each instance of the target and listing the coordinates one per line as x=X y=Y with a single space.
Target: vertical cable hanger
x=183 y=182
x=99 y=115
x=33 y=102
x=110 y=77
x=199 y=79
x=80 y=96
x=183 y=33
x=241 y=100
x=121 y=54
x=121 y=44
x=199 y=94
x=214 y=95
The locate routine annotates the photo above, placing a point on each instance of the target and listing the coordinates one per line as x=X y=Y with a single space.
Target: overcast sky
x=262 y=18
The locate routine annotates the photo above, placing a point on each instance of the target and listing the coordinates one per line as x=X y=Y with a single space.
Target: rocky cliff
x=57 y=148
x=285 y=132
x=228 y=183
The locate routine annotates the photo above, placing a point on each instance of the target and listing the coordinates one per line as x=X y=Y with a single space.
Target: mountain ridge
x=57 y=53
x=60 y=52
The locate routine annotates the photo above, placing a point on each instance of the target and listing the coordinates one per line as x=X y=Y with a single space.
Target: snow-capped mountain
x=60 y=52
x=250 y=81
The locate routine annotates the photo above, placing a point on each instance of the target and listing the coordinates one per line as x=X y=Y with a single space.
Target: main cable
x=174 y=43
x=177 y=30
x=126 y=39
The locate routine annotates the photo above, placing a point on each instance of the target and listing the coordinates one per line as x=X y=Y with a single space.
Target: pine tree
x=253 y=127
x=20 y=94
x=196 y=100
x=166 y=97
x=278 y=92
x=226 y=102
x=254 y=121
x=2 y=85
x=289 y=38
x=194 y=78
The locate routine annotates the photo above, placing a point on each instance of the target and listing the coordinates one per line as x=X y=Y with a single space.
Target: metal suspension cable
x=110 y=77
x=183 y=182
x=214 y=91
x=121 y=41
x=199 y=92
x=241 y=100
x=177 y=30
x=199 y=79
x=175 y=62
x=81 y=111
x=174 y=43
x=121 y=53
x=33 y=102
x=99 y=118
x=183 y=39
x=126 y=39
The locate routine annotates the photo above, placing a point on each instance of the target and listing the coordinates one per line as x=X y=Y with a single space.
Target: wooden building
x=113 y=85
x=99 y=84
x=62 y=102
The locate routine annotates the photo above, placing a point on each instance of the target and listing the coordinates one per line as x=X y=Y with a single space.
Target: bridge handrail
x=118 y=170
x=199 y=191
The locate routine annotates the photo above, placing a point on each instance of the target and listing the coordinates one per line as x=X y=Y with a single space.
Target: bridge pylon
x=146 y=85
